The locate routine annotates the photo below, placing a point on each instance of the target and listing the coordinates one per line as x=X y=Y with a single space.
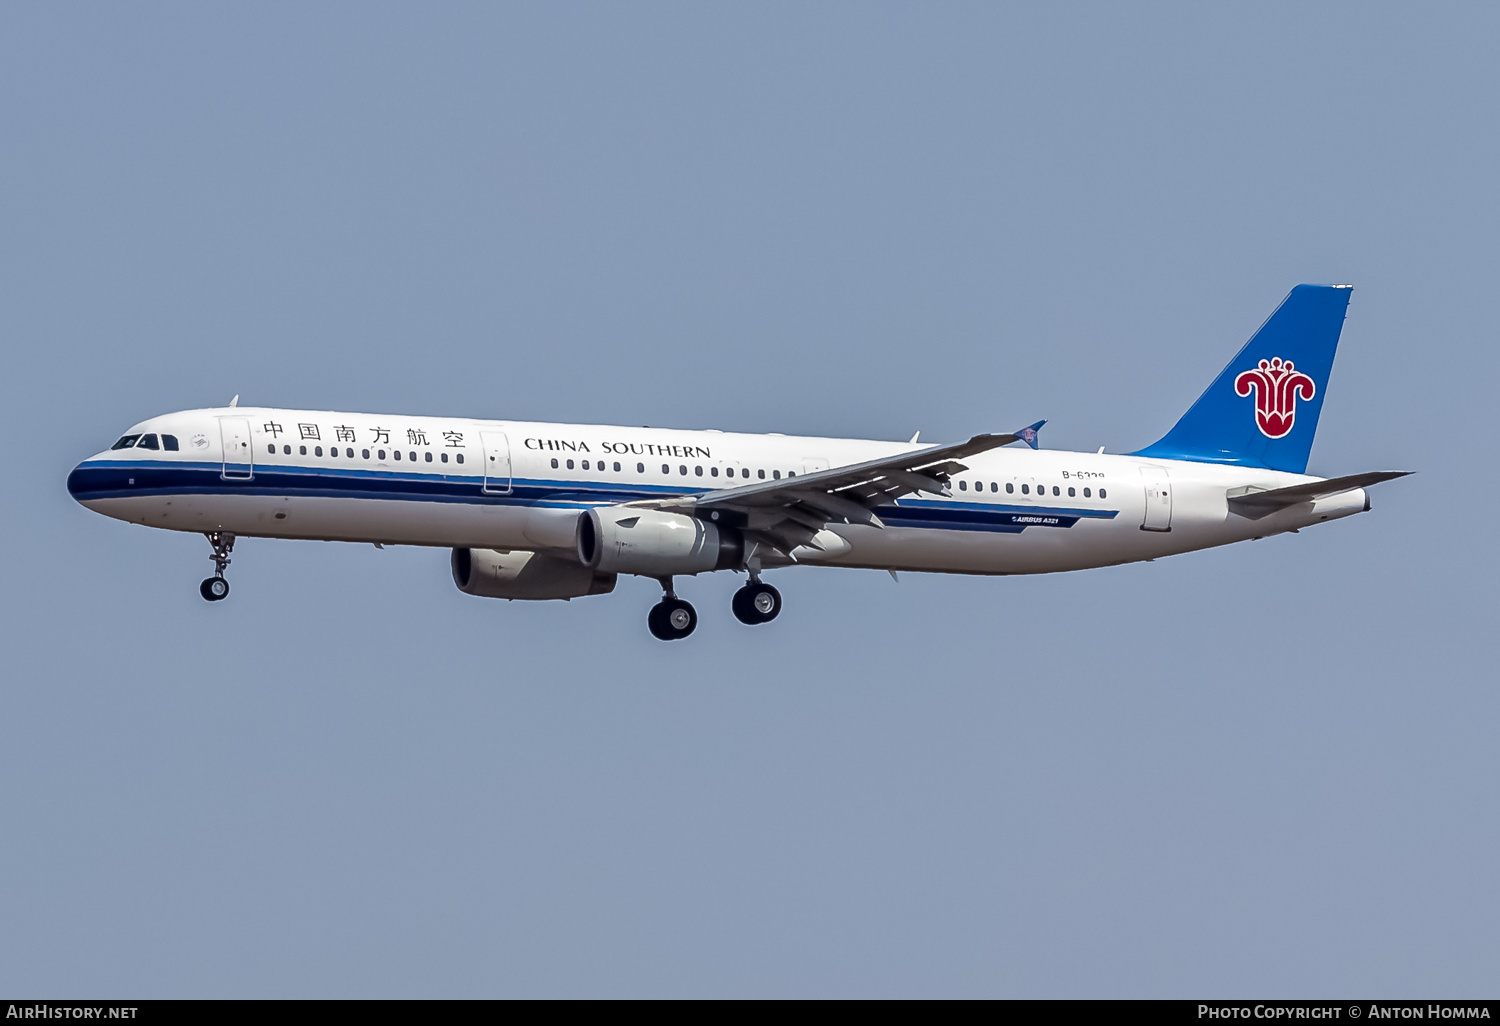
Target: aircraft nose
x=76 y=482
x=83 y=480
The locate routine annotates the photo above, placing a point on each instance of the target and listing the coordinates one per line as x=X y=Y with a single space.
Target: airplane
x=558 y=511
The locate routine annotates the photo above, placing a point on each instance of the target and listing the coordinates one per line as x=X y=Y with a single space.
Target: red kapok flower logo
x=1276 y=384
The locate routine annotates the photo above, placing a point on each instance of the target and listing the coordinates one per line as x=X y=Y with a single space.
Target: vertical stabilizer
x=1262 y=410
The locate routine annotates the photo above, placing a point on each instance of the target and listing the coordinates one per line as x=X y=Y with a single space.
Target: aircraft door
x=497 y=479
x=1158 y=499
x=239 y=462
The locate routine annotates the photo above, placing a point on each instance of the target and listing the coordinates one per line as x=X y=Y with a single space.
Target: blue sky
x=1267 y=769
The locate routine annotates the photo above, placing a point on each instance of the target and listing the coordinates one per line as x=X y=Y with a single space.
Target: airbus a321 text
x=558 y=511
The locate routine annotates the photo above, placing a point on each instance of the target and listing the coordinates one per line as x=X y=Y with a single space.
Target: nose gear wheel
x=216 y=587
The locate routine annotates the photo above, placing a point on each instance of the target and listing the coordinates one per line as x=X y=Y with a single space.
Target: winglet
x=1028 y=434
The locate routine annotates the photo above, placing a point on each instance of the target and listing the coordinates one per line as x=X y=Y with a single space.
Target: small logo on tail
x=1276 y=384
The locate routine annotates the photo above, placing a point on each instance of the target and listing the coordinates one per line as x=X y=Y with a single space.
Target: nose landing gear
x=216 y=587
x=671 y=619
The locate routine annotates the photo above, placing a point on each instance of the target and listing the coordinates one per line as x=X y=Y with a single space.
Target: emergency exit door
x=496 y=462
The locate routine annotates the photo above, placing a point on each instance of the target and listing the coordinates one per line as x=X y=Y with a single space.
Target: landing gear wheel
x=756 y=603
x=672 y=619
x=215 y=588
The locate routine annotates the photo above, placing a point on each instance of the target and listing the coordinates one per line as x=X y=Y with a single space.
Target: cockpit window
x=125 y=443
x=169 y=443
x=147 y=442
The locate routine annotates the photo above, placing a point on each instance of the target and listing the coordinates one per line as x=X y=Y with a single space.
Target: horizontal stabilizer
x=1254 y=505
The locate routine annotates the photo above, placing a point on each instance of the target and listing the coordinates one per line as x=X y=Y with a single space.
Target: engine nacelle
x=621 y=540
x=518 y=574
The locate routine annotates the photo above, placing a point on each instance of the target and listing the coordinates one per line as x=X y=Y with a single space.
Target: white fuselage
x=508 y=485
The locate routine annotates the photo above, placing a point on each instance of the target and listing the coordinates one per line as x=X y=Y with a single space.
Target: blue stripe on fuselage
x=112 y=479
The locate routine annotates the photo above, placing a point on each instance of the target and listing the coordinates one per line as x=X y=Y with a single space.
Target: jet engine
x=518 y=574
x=622 y=540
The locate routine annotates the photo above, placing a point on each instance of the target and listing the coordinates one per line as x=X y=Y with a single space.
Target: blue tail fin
x=1262 y=410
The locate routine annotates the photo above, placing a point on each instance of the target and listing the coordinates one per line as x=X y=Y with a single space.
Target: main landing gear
x=672 y=619
x=756 y=603
x=215 y=588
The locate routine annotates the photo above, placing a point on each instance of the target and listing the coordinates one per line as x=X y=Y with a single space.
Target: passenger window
x=301 y=450
x=413 y=456
x=761 y=474
x=318 y=450
x=365 y=453
x=397 y=454
x=286 y=450
x=963 y=486
x=554 y=463
x=1026 y=489
x=125 y=443
x=683 y=468
x=169 y=443
x=776 y=474
x=713 y=471
x=1103 y=494
x=458 y=456
x=271 y=449
x=994 y=486
x=444 y=458
x=1071 y=492
x=1009 y=487
x=617 y=467
x=745 y=472
x=1087 y=494
x=380 y=455
x=665 y=469
x=640 y=468
x=146 y=442
x=698 y=471
x=429 y=457
x=570 y=464
x=1056 y=490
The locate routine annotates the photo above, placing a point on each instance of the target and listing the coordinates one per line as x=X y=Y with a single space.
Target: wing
x=788 y=513
x=1254 y=505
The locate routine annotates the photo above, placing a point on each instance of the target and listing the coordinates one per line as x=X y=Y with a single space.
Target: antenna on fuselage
x=914 y=438
x=235 y=401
